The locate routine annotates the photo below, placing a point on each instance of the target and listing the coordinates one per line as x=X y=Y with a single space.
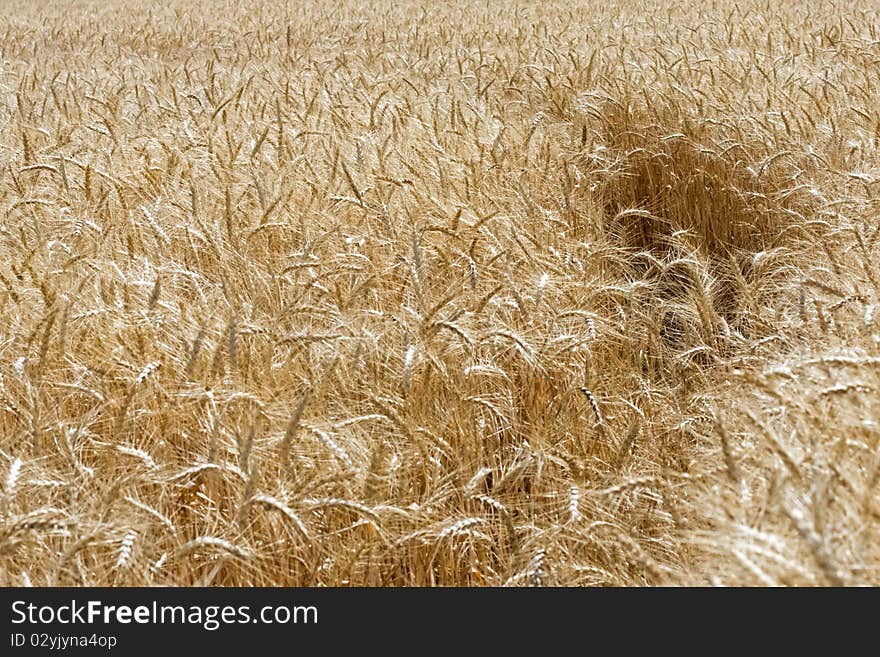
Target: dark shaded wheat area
x=476 y=294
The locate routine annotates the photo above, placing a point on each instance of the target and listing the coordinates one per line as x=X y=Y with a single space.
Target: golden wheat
x=482 y=294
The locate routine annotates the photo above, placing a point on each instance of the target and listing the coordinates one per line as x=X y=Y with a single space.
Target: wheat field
x=423 y=294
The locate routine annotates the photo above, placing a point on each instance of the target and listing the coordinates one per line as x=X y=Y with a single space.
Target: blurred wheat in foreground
x=409 y=293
